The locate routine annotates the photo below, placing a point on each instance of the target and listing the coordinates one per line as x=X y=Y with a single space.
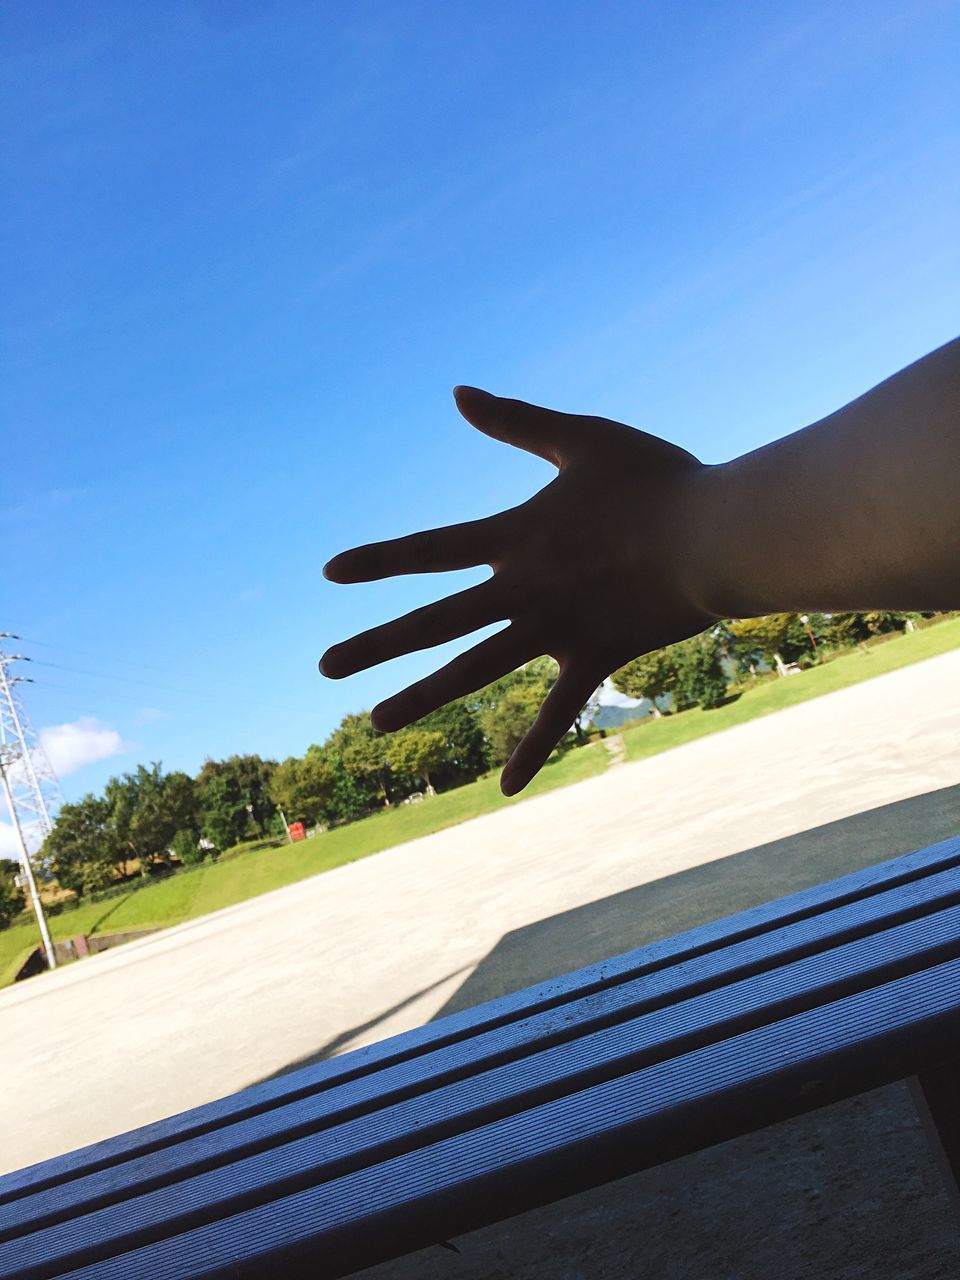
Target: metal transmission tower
x=28 y=782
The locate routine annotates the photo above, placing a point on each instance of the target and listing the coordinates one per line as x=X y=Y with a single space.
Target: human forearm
x=858 y=511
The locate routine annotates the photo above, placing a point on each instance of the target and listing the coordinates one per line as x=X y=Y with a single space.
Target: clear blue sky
x=250 y=247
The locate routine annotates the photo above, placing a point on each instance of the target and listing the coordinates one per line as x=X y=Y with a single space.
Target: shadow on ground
x=662 y=908
x=636 y=917
x=346 y=1038
x=845 y=1193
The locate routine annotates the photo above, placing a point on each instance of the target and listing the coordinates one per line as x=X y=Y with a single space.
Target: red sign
x=297 y=831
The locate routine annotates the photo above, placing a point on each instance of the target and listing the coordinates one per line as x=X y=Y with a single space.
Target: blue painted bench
x=473 y=1118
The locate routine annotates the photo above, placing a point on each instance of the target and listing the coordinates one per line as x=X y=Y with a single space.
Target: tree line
x=700 y=670
x=148 y=821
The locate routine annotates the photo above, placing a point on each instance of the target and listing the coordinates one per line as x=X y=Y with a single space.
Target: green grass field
x=247 y=874
x=654 y=736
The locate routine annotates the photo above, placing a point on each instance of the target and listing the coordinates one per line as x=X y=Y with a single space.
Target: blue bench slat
x=625 y=1047
x=428 y=1071
x=576 y=1141
x=457 y=1027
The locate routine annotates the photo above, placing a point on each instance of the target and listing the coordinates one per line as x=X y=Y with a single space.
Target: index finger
x=457 y=546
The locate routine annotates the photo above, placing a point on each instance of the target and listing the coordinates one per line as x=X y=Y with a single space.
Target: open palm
x=593 y=570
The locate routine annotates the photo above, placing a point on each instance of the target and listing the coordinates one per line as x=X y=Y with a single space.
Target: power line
x=107 y=675
x=123 y=679
x=85 y=653
x=209 y=693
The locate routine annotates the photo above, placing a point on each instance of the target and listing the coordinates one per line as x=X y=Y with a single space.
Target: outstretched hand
x=595 y=569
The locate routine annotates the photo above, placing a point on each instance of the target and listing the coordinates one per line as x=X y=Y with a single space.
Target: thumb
x=544 y=432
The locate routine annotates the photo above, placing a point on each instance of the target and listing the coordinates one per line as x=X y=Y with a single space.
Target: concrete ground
x=387 y=943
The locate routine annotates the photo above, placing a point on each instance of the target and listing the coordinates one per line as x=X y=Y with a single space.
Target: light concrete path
x=206 y=1008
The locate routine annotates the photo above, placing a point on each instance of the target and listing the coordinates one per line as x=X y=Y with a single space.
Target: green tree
x=234 y=799
x=880 y=623
x=842 y=630
x=652 y=675
x=304 y=787
x=508 y=707
x=510 y=718
x=83 y=846
x=363 y=753
x=466 y=755
x=352 y=797
x=120 y=797
x=185 y=845
x=540 y=674
x=11 y=895
x=760 y=639
x=147 y=808
x=797 y=645
x=285 y=791
x=164 y=805
x=700 y=675
x=417 y=753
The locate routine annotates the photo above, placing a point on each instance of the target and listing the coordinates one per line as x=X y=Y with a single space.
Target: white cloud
x=8 y=842
x=611 y=697
x=70 y=746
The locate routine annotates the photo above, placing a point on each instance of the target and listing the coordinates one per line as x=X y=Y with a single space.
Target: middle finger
x=421 y=629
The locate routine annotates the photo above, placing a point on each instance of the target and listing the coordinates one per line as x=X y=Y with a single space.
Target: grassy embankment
x=247 y=874
x=880 y=657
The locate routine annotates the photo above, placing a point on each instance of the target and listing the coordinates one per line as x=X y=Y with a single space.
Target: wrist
x=744 y=559
x=708 y=552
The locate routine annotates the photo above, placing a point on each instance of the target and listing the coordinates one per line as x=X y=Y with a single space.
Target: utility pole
x=29 y=784
x=813 y=640
x=286 y=825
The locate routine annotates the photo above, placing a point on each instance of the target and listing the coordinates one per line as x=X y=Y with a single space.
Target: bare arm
x=636 y=544
x=859 y=511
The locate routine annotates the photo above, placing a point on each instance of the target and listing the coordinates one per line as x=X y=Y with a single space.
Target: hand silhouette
x=593 y=570
x=620 y=553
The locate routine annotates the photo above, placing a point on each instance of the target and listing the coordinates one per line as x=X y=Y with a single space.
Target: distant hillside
x=614 y=717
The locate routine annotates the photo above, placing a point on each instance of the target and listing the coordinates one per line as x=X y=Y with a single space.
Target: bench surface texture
x=492 y=1111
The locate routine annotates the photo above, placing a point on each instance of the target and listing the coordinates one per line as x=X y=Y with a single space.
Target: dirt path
x=617 y=749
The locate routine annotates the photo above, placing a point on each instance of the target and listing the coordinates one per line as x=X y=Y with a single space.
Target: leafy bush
x=700 y=677
x=187 y=848
x=11 y=895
